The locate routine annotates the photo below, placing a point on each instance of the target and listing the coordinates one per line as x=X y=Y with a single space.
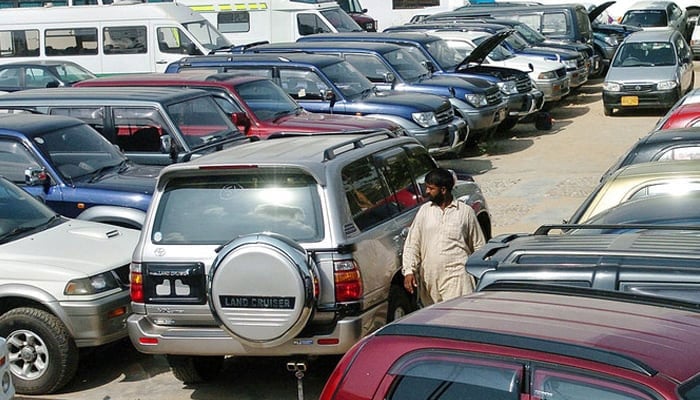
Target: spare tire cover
x=261 y=289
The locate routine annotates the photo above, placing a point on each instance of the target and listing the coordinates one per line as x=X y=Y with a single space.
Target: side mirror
x=532 y=68
x=328 y=95
x=240 y=119
x=389 y=77
x=428 y=65
x=165 y=143
x=53 y=84
x=34 y=176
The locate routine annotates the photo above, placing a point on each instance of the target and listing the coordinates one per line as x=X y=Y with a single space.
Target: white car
x=64 y=285
x=549 y=76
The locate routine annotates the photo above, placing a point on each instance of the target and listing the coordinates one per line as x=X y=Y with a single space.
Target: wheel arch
x=16 y=296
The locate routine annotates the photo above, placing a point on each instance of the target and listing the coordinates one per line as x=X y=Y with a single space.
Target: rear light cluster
x=136 y=279
x=348 y=281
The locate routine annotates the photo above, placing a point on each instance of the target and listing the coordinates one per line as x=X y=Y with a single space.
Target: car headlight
x=425 y=119
x=508 y=87
x=91 y=285
x=571 y=63
x=547 y=75
x=612 y=86
x=476 y=100
x=610 y=40
x=666 y=85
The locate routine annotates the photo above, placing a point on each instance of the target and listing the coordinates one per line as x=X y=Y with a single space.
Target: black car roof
x=672 y=135
x=36 y=124
x=137 y=94
x=318 y=60
x=409 y=36
x=379 y=47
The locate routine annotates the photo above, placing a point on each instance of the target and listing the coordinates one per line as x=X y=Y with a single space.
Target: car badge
x=637 y=88
x=160 y=252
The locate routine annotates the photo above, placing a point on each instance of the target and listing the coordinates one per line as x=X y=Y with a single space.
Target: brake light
x=136 y=280
x=348 y=281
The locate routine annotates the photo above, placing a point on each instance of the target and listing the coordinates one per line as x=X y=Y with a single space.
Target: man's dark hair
x=440 y=177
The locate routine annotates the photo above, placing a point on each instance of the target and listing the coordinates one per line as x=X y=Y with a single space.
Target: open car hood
x=479 y=53
x=595 y=12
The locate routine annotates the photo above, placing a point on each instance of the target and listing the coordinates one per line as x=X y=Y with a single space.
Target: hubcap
x=28 y=354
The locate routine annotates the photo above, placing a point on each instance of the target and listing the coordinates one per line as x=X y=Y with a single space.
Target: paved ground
x=529 y=177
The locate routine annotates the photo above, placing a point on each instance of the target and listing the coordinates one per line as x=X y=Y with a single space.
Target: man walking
x=443 y=234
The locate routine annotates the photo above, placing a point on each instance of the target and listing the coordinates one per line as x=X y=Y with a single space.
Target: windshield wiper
x=100 y=172
x=24 y=229
x=283 y=113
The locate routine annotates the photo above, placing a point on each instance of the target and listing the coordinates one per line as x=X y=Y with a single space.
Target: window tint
x=367 y=194
x=554 y=23
x=406 y=194
x=551 y=384
x=14 y=159
x=19 y=43
x=125 y=40
x=439 y=375
x=175 y=40
x=138 y=129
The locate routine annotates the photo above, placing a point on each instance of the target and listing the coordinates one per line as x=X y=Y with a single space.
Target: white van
x=273 y=20
x=107 y=39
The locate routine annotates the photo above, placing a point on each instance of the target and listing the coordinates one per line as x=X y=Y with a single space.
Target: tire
x=507 y=124
x=400 y=303
x=608 y=111
x=43 y=356
x=195 y=369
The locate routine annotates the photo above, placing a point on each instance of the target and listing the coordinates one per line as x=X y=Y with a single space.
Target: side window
x=435 y=374
x=302 y=84
x=682 y=48
x=308 y=24
x=400 y=180
x=367 y=195
x=9 y=77
x=257 y=71
x=371 y=66
x=125 y=40
x=681 y=153
x=420 y=163
x=174 y=40
x=14 y=159
x=75 y=41
x=533 y=21
x=550 y=384
x=138 y=129
x=37 y=78
x=93 y=116
x=554 y=23
x=19 y=43
x=233 y=21
x=664 y=188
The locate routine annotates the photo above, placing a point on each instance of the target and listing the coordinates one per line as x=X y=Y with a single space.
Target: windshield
x=201 y=121
x=347 y=79
x=645 y=18
x=340 y=20
x=530 y=35
x=499 y=53
x=72 y=73
x=280 y=201
x=266 y=99
x=407 y=67
x=446 y=56
x=647 y=54
x=20 y=212
x=207 y=35
x=79 y=151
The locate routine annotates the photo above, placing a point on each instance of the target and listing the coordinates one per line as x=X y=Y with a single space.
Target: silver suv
x=285 y=246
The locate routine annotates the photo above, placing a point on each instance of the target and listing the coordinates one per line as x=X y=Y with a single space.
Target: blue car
x=74 y=169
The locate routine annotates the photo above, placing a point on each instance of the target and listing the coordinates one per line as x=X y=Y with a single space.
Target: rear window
x=216 y=209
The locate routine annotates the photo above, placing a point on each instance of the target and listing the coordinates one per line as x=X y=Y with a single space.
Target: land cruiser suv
x=155 y=126
x=646 y=260
x=293 y=248
x=329 y=84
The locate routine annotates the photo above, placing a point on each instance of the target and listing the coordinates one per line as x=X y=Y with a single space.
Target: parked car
x=41 y=74
x=7 y=388
x=680 y=116
x=65 y=287
x=432 y=51
x=328 y=84
x=637 y=181
x=695 y=40
x=260 y=107
x=528 y=342
x=657 y=14
x=663 y=145
x=391 y=67
x=607 y=35
x=651 y=69
x=74 y=170
x=358 y=14
x=331 y=209
x=154 y=126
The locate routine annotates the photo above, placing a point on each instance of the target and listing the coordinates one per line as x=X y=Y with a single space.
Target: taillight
x=136 y=280
x=348 y=281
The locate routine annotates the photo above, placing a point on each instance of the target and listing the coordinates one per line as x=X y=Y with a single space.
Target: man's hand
x=409 y=283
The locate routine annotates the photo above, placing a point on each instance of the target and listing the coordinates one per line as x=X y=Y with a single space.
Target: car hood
x=308 y=121
x=641 y=74
x=563 y=54
x=419 y=102
x=69 y=250
x=136 y=178
x=480 y=52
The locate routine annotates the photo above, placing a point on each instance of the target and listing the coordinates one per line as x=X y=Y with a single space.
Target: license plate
x=629 y=101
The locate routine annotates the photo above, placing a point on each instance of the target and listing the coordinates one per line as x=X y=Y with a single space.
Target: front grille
x=523 y=84
x=445 y=114
x=561 y=72
x=640 y=87
x=494 y=96
x=122 y=274
x=581 y=62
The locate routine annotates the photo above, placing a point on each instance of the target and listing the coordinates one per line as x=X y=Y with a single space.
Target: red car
x=682 y=116
x=536 y=342
x=258 y=106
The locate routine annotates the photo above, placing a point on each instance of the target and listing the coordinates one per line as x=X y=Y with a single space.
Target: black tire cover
x=261 y=289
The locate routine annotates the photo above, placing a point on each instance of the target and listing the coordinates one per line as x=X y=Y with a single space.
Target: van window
x=19 y=43
x=124 y=40
x=308 y=24
x=71 y=41
x=235 y=21
x=174 y=40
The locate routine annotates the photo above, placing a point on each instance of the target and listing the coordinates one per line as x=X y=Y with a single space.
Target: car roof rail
x=14 y=110
x=218 y=144
x=358 y=143
x=546 y=229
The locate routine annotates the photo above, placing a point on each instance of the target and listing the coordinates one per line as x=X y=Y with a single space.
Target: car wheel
x=42 y=354
x=608 y=111
x=507 y=124
x=400 y=303
x=195 y=369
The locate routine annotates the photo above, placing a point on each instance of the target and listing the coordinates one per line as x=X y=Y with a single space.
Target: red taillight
x=136 y=280
x=348 y=281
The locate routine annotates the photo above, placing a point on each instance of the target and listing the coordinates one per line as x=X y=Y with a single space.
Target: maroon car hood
x=319 y=122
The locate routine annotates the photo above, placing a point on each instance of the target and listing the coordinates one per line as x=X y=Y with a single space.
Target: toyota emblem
x=159 y=251
x=637 y=88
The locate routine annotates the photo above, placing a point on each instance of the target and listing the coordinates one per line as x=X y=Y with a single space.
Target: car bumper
x=577 y=77
x=481 y=119
x=597 y=64
x=443 y=138
x=554 y=89
x=651 y=99
x=523 y=104
x=98 y=322
x=214 y=341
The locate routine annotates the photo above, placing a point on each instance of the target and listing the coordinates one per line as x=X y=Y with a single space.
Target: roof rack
x=545 y=229
x=357 y=143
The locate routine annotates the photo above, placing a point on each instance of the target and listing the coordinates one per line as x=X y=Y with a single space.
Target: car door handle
x=161 y=61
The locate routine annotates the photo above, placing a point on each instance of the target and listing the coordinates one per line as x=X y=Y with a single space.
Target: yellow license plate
x=629 y=101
